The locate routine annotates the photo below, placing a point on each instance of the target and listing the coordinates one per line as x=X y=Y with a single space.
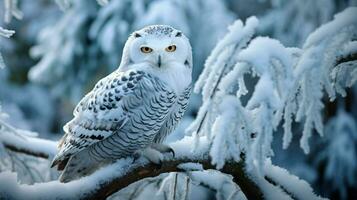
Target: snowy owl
x=133 y=109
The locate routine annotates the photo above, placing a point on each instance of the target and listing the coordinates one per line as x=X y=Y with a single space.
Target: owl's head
x=159 y=46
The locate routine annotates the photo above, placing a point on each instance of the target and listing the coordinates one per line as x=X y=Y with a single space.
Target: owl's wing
x=103 y=111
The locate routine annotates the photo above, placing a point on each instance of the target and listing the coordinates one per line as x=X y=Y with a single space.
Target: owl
x=133 y=109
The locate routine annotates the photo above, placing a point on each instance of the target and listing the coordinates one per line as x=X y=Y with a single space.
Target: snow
x=284 y=185
x=260 y=52
x=344 y=75
x=223 y=144
x=250 y=84
x=313 y=71
x=55 y=189
x=216 y=64
x=79 y=188
x=12 y=10
x=220 y=182
x=6 y=33
x=264 y=91
x=238 y=34
x=234 y=57
x=341 y=21
x=22 y=140
x=299 y=189
x=190 y=166
x=2 y=63
x=270 y=191
x=183 y=148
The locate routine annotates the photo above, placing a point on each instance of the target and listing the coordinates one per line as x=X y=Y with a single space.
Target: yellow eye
x=170 y=48
x=146 y=49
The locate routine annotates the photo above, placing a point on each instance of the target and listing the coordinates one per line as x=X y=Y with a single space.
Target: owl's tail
x=79 y=165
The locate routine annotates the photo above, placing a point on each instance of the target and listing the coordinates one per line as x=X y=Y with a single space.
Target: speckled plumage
x=159 y=30
x=132 y=108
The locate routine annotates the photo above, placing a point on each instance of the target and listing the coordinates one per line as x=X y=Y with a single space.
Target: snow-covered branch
x=196 y=166
x=287 y=82
x=26 y=142
x=232 y=127
x=6 y=33
x=11 y=10
x=328 y=62
x=21 y=151
x=113 y=178
x=110 y=179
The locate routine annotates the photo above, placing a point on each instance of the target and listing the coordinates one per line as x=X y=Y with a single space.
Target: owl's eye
x=146 y=49
x=170 y=48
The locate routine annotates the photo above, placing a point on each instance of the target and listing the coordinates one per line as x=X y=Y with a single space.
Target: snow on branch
x=287 y=82
x=232 y=127
x=291 y=184
x=2 y=63
x=124 y=172
x=21 y=151
x=6 y=33
x=328 y=62
x=26 y=142
x=232 y=181
x=11 y=10
x=219 y=63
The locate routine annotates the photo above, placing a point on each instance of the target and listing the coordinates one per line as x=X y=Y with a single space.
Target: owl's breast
x=147 y=118
x=175 y=115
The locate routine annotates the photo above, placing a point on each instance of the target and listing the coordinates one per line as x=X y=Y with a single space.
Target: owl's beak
x=159 y=61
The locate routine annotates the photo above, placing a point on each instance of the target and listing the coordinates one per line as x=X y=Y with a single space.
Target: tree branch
x=112 y=178
x=19 y=141
x=27 y=151
x=240 y=177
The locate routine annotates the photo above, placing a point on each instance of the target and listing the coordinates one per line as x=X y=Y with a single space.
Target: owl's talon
x=163 y=148
x=173 y=152
x=136 y=157
x=153 y=155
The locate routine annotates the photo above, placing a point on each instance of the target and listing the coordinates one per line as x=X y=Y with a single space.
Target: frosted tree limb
x=121 y=174
x=11 y=10
x=16 y=140
x=112 y=178
x=6 y=33
x=151 y=170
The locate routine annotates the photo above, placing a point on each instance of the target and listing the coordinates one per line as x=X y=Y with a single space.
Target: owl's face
x=160 y=46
